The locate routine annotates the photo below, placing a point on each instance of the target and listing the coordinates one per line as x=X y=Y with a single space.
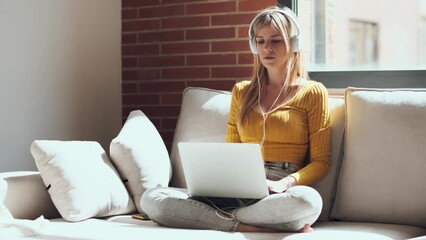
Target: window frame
x=365 y=78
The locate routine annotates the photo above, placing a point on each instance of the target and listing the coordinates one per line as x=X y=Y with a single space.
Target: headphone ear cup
x=252 y=44
x=296 y=44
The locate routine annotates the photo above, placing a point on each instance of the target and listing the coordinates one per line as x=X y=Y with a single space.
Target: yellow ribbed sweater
x=299 y=126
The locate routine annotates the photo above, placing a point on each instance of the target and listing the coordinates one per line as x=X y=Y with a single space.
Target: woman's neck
x=276 y=78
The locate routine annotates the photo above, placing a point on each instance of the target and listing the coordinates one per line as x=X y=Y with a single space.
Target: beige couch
x=375 y=189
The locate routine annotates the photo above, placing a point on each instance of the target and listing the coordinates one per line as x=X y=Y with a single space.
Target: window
x=363 y=41
x=366 y=35
x=379 y=43
x=423 y=39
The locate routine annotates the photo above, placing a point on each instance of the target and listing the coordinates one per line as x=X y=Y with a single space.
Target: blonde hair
x=294 y=67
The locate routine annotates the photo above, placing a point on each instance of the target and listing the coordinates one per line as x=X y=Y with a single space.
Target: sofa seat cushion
x=120 y=227
x=384 y=169
x=358 y=230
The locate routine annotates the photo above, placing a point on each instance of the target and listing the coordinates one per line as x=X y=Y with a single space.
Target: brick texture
x=168 y=45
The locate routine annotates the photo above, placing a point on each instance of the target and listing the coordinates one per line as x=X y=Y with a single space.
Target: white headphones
x=295 y=41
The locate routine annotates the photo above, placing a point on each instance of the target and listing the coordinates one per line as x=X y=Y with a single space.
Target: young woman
x=284 y=112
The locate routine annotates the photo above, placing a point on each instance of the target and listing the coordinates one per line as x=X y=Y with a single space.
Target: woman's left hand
x=281 y=185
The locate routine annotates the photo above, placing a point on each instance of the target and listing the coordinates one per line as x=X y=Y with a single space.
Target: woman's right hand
x=281 y=185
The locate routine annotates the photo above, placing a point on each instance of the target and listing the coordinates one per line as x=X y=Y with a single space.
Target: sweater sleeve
x=232 y=134
x=319 y=136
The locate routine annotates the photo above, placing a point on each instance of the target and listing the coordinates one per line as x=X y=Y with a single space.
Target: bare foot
x=307 y=228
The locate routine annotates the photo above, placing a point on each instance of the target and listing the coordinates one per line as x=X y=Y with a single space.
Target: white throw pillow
x=383 y=173
x=81 y=179
x=140 y=156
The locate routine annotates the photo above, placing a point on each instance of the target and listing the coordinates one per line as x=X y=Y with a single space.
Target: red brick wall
x=168 y=45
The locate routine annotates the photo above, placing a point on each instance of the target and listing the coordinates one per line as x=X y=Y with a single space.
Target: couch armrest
x=25 y=195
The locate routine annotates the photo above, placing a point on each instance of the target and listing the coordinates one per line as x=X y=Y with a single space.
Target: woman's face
x=271 y=48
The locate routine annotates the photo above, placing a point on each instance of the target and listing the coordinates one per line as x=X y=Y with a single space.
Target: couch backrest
x=326 y=186
x=204 y=117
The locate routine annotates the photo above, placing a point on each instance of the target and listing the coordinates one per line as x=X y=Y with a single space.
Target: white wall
x=60 y=74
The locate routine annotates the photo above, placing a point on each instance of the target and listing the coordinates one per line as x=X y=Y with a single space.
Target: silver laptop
x=232 y=170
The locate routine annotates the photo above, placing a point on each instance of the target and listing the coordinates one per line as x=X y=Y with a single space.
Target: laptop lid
x=233 y=170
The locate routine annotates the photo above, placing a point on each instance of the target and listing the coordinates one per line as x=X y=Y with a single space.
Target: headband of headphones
x=295 y=41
